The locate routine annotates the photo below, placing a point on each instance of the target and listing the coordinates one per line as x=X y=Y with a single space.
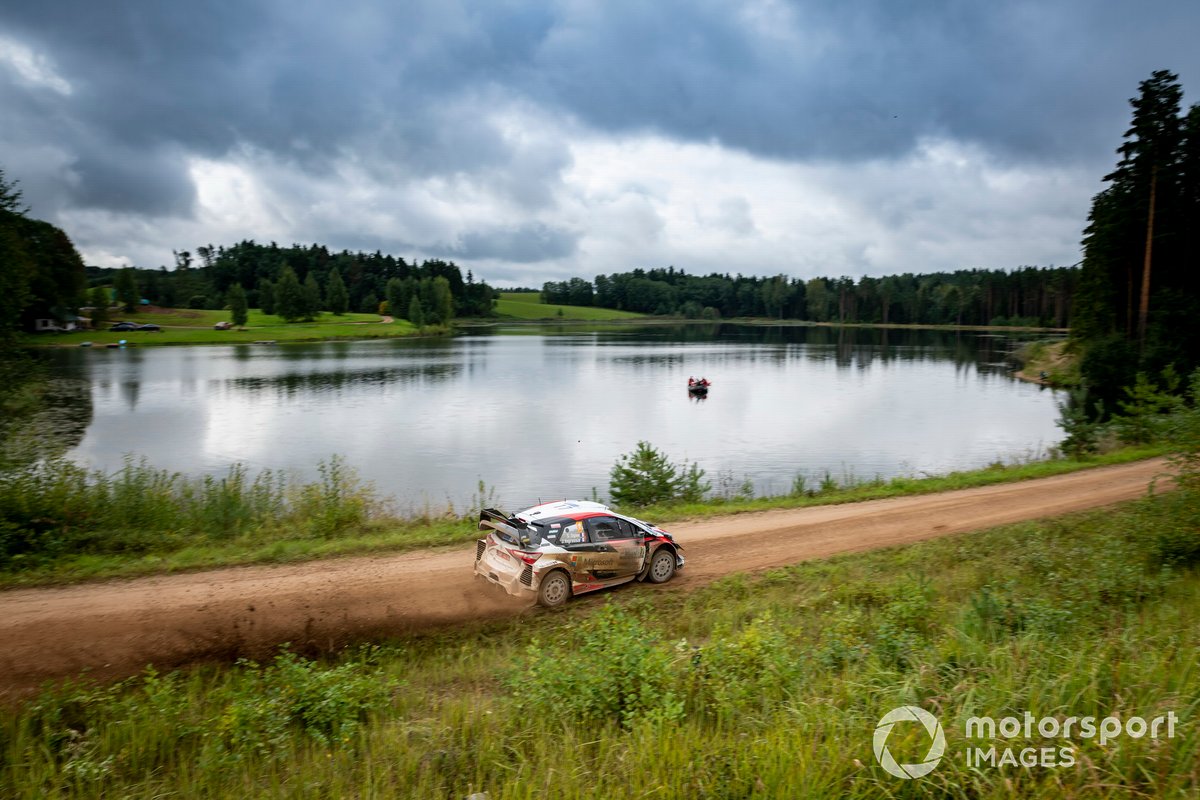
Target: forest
x=204 y=279
x=1029 y=296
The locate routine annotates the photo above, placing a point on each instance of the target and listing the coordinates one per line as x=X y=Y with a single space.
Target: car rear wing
x=510 y=529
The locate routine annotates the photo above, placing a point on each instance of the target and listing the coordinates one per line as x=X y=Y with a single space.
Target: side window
x=570 y=532
x=603 y=528
x=629 y=530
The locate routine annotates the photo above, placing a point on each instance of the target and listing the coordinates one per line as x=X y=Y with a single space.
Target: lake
x=538 y=413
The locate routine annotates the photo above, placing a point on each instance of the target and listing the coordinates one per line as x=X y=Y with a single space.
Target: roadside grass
x=182 y=326
x=763 y=686
x=832 y=489
x=63 y=524
x=529 y=305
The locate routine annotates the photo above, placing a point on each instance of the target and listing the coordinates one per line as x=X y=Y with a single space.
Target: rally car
x=556 y=550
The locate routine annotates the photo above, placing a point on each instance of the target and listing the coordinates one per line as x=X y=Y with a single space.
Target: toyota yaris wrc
x=557 y=550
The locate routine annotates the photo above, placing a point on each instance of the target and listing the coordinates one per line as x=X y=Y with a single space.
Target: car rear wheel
x=554 y=590
x=662 y=566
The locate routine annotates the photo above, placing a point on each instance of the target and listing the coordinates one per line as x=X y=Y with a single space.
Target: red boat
x=698 y=387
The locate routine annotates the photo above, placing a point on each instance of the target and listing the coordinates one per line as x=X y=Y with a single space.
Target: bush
x=646 y=477
x=1083 y=432
x=1144 y=412
x=610 y=668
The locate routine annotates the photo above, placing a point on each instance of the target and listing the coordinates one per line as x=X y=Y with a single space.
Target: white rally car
x=556 y=550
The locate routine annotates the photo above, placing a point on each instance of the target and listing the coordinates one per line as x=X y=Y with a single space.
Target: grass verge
x=182 y=326
x=767 y=686
x=63 y=525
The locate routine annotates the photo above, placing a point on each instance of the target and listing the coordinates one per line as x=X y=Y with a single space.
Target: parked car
x=224 y=325
x=556 y=550
x=149 y=326
x=124 y=326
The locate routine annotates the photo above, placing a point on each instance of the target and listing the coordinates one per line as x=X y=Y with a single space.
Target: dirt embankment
x=1048 y=364
x=115 y=629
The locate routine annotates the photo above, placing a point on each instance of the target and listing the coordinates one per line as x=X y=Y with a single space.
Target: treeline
x=1137 y=304
x=1027 y=296
x=297 y=281
x=41 y=273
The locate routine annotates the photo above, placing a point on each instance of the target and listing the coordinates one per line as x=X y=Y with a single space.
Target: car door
x=582 y=552
x=622 y=552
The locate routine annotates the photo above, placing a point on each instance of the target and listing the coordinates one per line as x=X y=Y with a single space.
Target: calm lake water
x=541 y=413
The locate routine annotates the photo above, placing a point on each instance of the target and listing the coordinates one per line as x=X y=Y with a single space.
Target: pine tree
x=441 y=302
x=98 y=300
x=397 y=296
x=415 y=315
x=643 y=477
x=1134 y=308
x=336 y=297
x=289 y=296
x=266 y=296
x=126 y=289
x=237 y=304
x=312 y=297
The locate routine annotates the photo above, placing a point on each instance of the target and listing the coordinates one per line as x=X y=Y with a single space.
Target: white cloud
x=32 y=67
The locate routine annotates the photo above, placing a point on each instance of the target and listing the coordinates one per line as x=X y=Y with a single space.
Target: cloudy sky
x=542 y=140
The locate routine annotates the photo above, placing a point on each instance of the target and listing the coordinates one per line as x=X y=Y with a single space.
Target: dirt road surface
x=116 y=628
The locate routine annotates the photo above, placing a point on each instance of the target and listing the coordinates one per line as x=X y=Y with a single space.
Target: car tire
x=554 y=590
x=662 y=566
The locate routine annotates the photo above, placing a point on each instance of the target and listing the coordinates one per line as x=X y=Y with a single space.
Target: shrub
x=1082 y=432
x=328 y=704
x=609 y=668
x=646 y=477
x=1143 y=416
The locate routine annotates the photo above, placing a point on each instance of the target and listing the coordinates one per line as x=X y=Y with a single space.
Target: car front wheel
x=554 y=590
x=662 y=566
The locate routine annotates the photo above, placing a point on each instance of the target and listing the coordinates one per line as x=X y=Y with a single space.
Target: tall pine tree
x=1134 y=303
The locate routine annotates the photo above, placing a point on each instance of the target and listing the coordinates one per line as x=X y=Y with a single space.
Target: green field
x=182 y=326
x=529 y=305
x=756 y=686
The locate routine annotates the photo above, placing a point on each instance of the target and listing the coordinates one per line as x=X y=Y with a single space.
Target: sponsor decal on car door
x=622 y=551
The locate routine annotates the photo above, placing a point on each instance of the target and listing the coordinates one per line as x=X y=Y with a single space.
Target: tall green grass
x=54 y=507
x=766 y=686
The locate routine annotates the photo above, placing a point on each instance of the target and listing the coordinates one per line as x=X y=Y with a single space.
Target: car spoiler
x=511 y=529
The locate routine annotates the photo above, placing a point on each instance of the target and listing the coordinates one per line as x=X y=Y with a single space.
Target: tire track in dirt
x=115 y=628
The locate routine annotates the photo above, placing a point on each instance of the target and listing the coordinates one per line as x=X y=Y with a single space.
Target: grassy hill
x=529 y=305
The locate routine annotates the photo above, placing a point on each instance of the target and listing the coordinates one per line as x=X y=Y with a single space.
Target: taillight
x=525 y=556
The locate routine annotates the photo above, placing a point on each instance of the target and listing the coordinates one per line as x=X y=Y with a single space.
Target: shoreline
x=271 y=334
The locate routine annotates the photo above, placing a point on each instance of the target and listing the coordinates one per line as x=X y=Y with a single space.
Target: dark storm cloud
x=522 y=244
x=410 y=91
x=849 y=80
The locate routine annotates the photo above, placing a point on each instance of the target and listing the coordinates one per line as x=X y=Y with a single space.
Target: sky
x=535 y=141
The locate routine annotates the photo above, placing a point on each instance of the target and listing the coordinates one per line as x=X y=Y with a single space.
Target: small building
x=71 y=322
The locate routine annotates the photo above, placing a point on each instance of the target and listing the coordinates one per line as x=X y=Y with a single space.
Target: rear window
x=559 y=531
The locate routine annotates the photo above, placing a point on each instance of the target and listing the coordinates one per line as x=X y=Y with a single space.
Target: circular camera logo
x=932 y=727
